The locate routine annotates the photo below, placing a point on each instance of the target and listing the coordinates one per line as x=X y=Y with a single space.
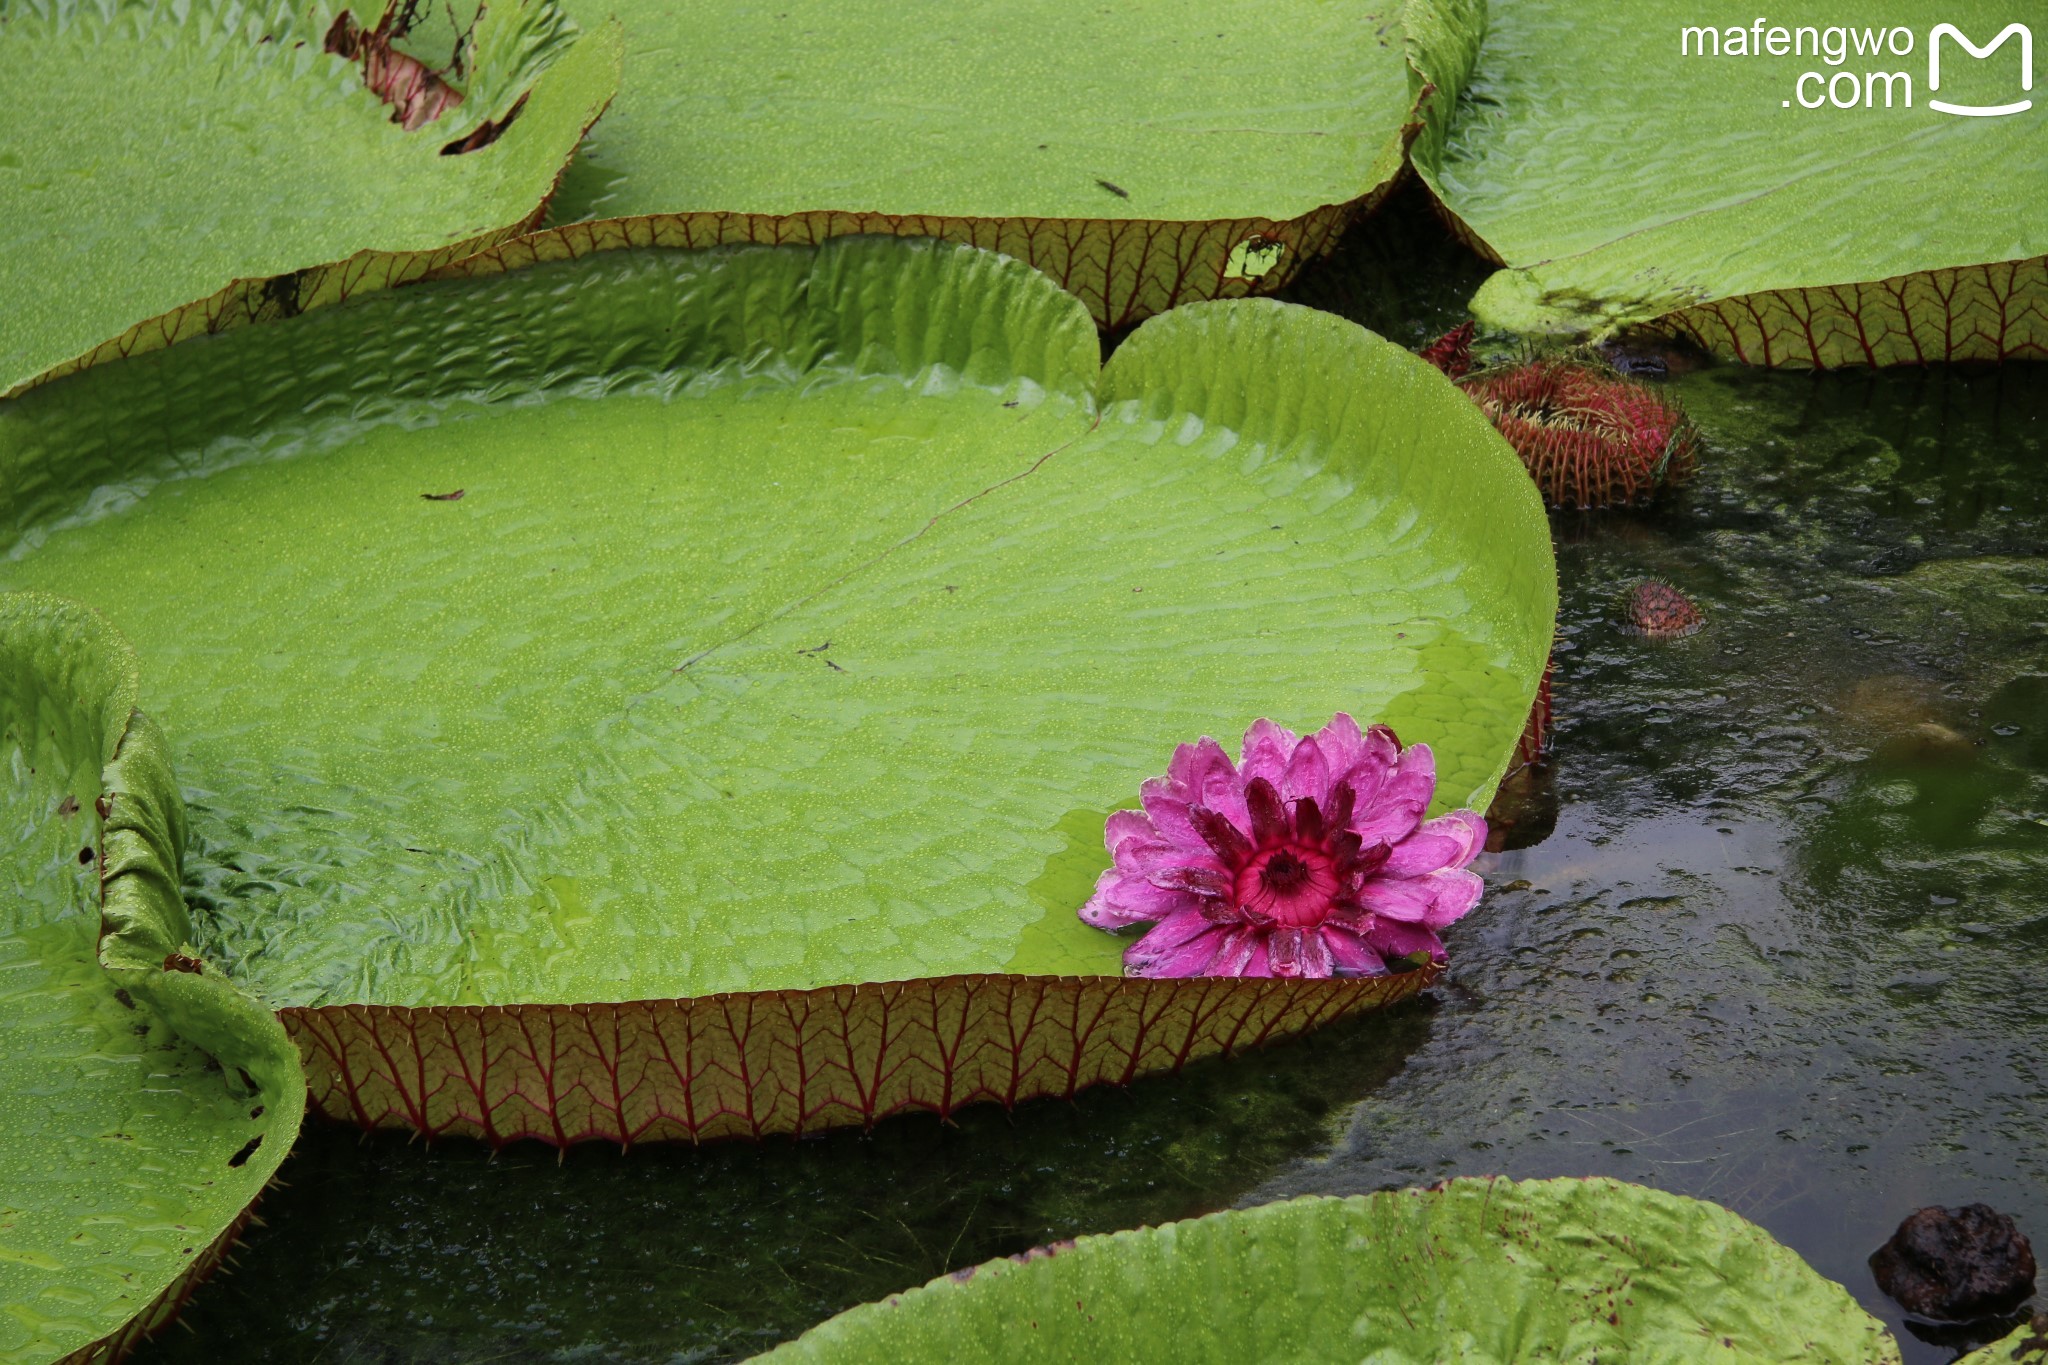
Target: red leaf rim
x=751 y=1064
x=1994 y=312
x=1125 y=270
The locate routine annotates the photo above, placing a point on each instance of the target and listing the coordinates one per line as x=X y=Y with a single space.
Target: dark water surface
x=1785 y=947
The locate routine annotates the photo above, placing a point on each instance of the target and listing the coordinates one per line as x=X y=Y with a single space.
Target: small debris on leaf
x=178 y=962
x=68 y=806
x=456 y=496
x=1118 y=190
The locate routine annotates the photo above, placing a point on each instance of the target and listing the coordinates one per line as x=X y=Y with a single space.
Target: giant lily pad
x=1623 y=180
x=1143 y=154
x=142 y=1106
x=1474 y=1270
x=680 y=693
x=171 y=170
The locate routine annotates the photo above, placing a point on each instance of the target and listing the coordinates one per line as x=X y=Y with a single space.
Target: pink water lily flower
x=1308 y=858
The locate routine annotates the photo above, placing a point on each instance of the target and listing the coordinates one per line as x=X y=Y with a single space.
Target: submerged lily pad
x=1143 y=154
x=801 y=615
x=2026 y=1344
x=142 y=1105
x=172 y=170
x=1625 y=181
x=1474 y=1270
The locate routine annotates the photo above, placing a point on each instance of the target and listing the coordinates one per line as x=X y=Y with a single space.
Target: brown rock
x=1954 y=1265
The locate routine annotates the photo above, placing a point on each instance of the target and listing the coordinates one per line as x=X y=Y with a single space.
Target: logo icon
x=2026 y=37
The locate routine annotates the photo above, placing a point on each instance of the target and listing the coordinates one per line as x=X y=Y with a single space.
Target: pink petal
x=1350 y=918
x=1475 y=832
x=1190 y=761
x=1308 y=773
x=1207 y=882
x=1126 y=825
x=1391 y=940
x=1242 y=950
x=1200 y=774
x=1456 y=893
x=1389 y=814
x=1432 y=901
x=1341 y=742
x=1418 y=764
x=1259 y=963
x=1153 y=859
x=1121 y=901
x=1389 y=823
x=1267 y=748
x=1350 y=955
x=1420 y=854
x=1298 y=952
x=1401 y=898
x=1271 y=821
x=1450 y=841
x=1167 y=806
x=1202 y=769
x=1183 y=945
x=1379 y=755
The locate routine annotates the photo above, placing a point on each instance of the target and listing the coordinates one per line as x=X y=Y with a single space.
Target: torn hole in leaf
x=1254 y=257
x=485 y=133
x=415 y=91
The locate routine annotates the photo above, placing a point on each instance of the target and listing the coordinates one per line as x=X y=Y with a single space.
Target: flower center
x=1284 y=873
x=1291 y=885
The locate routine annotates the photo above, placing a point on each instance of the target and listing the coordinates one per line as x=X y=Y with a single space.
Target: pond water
x=1780 y=945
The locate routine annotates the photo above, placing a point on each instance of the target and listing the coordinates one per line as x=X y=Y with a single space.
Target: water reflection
x=384 y=1250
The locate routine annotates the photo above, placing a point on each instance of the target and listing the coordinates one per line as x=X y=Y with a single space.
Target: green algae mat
x=1486 y=1271
x=1787 y=191
x=1143 y=154
x=172 y=170
x=680 y=694
x=145 y=1104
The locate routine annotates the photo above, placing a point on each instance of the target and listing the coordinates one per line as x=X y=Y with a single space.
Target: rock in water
x=1954 y=1265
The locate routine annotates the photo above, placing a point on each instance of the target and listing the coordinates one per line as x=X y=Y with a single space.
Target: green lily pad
x=1143 y=154
x=2026 y=1344
x=677 y=646
x=172 y=170
x=1474 y=1270
x=1623 y=181
x=142 y=1106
